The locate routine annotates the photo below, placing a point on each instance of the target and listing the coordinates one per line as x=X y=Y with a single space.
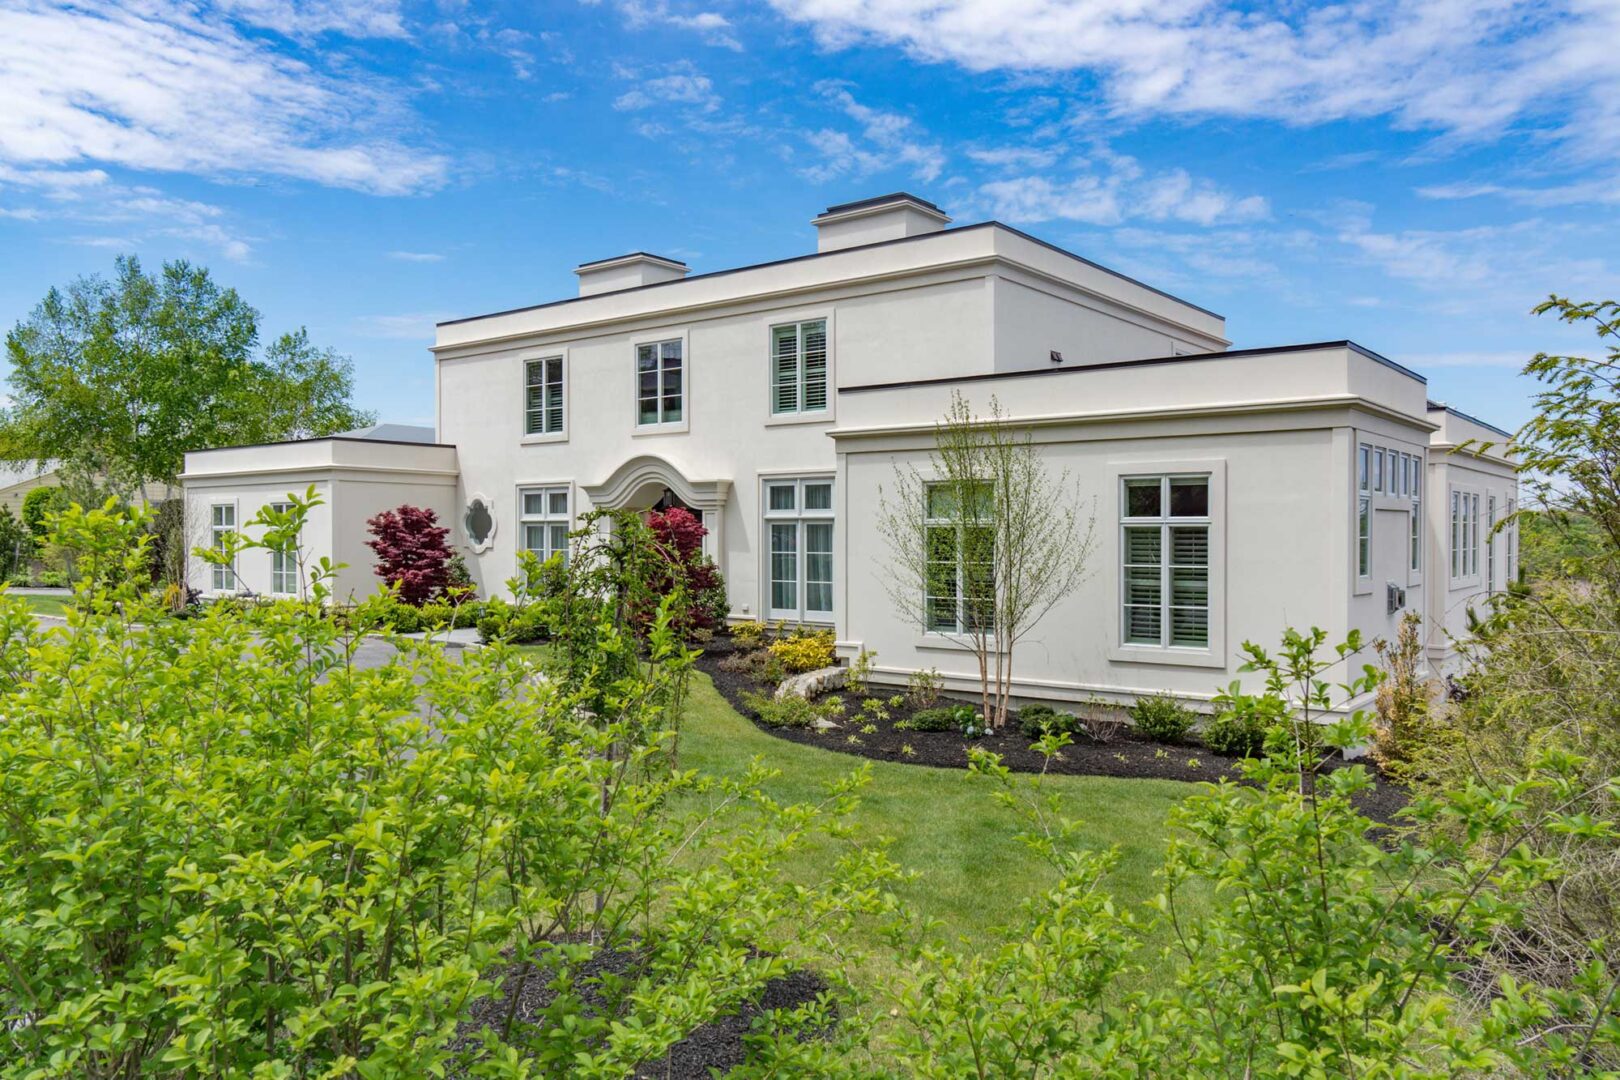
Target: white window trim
x=799 y=516
x=524 y=360
x=1362 y=490
x=235 y=587
x=1471 y=505
x=1417 y=528
x=672 y=427
x=826 y=416
x=522 y=519
x=1214 y=654
x=958 y=638
x=282 y=506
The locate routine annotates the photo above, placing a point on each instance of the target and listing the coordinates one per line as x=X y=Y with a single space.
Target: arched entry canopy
x=648 y=481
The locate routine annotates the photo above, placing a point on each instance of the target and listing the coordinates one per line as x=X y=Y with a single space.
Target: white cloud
x=416 y=256
x=892 y=140
x=165 y=87
x=1465 y=68
x=1115 y=190
x=304 y=18
x=688 y=88
x=88 y=196
x=414 y=326
x=1023 y=157
x=1601 y=190
x=713 y=27
x=1424 y=361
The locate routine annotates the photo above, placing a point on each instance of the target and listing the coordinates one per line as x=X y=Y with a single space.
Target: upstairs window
x=660 y=384
x=799 y=368
x=543 y=396
x=1165 y=546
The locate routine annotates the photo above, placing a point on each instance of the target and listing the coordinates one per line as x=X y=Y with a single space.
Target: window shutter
x=785 y=370
x=815 y=366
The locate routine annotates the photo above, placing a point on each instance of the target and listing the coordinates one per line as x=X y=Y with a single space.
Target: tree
x=679 y=535
x=411 y=553
x=120 y=378
x=16 y=545
x=985 y=543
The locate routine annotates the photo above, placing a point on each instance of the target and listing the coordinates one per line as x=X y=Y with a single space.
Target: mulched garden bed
x=1126 y=755
x=711 y=1050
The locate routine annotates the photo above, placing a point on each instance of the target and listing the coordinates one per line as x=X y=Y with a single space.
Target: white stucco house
x=1235 y=491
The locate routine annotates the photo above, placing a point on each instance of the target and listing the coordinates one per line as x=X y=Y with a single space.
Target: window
x=1490 y=544
x=222 y=524
x=1456 y=534
x=1165 y=548
x=1509 y=568
x=543 y=520
x=799 y=528
x=283 y=564
x=660 y=384
x=1416 y=464
x=799 y=368
x=1363 y=513
x=1473 y=539
x=960 y=546
x=543 y=396
x=1378 y=469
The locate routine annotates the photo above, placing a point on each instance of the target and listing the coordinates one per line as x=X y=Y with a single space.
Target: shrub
x=53 y=579
x=412 y=556
x=1236 y=732
x=1038 y=719
x=294 y=874
x=501 y=621
x=684 y=572
x=859 y=675
x=944 y=718
x=792 y=711
x=749 y=634
x=1162 y=718
x=804 y=650
x=1101 y=729
x=750 y=663
x=924 y=688
x=1402 y=731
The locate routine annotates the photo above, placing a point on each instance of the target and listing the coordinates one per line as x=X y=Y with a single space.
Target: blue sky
x=1412 y=175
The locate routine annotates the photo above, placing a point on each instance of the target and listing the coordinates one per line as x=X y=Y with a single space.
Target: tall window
x=799 y=368
x=543 y=521
x=660 y=383
x=543 y=396
x=1165 y=543
x=960 y=538
x=1363 y=512
x=221 y=524
x=1456 y=534
x=1416 y=465
x=799 y=525
x=1509 y=567
x=1473 y=537
x=1490 y=544
x=284 y=563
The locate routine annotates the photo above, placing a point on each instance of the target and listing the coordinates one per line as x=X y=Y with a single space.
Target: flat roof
x=1070 y=369
x=1440 y=406
x=880 y=200
x=323 y=438
x=840 y=251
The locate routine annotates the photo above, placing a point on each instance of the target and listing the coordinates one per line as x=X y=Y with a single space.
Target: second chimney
x=871 y=221
x=627 y=272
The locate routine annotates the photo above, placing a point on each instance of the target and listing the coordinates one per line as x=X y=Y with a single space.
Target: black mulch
x=1126 y=755
x=712 y=1050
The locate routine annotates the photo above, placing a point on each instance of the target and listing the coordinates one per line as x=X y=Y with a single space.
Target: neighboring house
x=17 y=479
x=1234 y=492
x=356 y=474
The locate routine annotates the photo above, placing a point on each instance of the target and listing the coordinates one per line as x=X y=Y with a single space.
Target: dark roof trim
x=324 y=438
x=880 y=200
x=1440 y=406
x=628 y=255
x=1151 y=361
x=840 y=251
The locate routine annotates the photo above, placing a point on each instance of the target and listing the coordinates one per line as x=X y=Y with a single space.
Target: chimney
x=870 y=221
x=627 y=272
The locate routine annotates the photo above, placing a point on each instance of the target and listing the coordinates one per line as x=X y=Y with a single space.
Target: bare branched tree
x=984 y=542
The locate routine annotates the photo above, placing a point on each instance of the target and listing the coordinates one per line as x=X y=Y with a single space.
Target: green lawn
x=44 y=605
x=946 y=825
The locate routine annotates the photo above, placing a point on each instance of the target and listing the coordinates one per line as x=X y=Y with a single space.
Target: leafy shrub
x=923 y=687
x=412 y=556
x=804 y=650
x=295 y=875
x=859 y=675
x=53 y=579
x=1038 y=718
x=502 y=621
x=1162 y=718
x=793 y=711
x=684 y=572
x=1236 y=732
x=749 y=634
x=1403 y=731
x=943 y=718
x=751 y=663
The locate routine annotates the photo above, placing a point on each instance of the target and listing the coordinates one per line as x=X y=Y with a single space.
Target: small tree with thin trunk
x=984 y=542
x=411 y=552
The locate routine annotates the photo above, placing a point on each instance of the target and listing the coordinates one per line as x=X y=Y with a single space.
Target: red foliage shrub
x=680 y=534
x=411 y=552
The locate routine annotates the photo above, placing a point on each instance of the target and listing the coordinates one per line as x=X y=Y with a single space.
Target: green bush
x=53 y=579
x=1242 y=721
x=228 y=851
x=1162 y=718
x=502 y=621
x=1039 y=719
x=804 y=650
x=792 y=711
x=943 y=718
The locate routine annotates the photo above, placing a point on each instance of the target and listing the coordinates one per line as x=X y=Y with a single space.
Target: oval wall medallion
x=478 y=522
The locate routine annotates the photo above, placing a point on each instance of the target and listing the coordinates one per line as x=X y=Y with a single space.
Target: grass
x=44 y=605
x=972 y=872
